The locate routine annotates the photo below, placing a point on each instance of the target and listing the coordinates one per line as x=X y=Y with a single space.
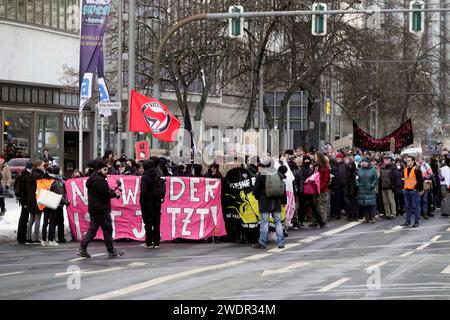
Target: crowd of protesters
x=352 y=185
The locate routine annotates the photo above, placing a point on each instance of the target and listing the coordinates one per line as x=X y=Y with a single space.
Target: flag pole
x=80 y=141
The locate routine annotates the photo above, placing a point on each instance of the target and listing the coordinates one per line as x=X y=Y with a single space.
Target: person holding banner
x=99 y=207
x=152 y=194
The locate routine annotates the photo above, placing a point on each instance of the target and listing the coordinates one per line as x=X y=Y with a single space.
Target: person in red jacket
x=321 y=166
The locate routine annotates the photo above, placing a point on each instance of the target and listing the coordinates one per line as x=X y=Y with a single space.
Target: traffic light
x=236 y=26
x=319 y=21
x=416 y=19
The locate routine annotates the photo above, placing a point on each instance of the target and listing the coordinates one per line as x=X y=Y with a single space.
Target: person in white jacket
x=444 y=175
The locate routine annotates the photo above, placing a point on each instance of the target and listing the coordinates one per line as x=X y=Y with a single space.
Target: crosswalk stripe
x=10 y=274
x=446 y=270
x=406 y=254
x=333 y=285
x=343 y=228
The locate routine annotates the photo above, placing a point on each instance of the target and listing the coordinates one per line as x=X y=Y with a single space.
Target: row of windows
x=38 y=96
x=57 y=14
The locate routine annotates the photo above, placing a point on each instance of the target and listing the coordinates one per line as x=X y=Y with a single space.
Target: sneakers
x=115 y=253
x=155 y=247
x=28 y=241
x=146 y=246
x=406 y=224
x=44 y=243
x=281 y=247
x=52 y=243
x=415 y=225
x=258 y=246
x=323 y=225
x=83 y=254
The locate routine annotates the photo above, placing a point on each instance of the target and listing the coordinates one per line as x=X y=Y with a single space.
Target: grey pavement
x=344 y=261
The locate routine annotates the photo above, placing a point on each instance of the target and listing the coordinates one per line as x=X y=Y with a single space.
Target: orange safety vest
x=411 y=181
x=43 y=184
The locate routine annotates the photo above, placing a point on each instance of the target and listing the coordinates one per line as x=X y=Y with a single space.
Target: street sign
x=110 y=105
x=416 y=19
x=236 y=25
x=328 y=107
x=319 y=21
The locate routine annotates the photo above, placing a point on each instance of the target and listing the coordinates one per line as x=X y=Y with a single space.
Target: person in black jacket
x=21 y=195
x=99 y=205
x=151 y=197
x=388 y=182
x=351 y=192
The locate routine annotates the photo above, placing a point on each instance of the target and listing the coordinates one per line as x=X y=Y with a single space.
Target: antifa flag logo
x=156 y=117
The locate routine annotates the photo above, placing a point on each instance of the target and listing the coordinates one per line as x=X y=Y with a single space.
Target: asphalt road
x=345 y=261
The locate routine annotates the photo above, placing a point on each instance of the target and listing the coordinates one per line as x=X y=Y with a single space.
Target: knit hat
x=155 y=160
x=29 y=165
x=100 y=165
x=358 y=158
x=339 y=156
x=56 y=169
x=2 y=156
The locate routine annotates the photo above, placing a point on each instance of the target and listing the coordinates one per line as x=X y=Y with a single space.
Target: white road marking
x=343 y=228
x=377 y=265
x=82 y=258
x=448 y=229
x=436 y=238
x=446 y=270
x=258 y=256
x=11 y=273
x=310 y=239
x=159 y=280
x=62 y=274
x=137 y=264
x=394 y=229
x=287 y=246
x=333 y=285
x=426 y=244
x=285 y=269
x=406 y=254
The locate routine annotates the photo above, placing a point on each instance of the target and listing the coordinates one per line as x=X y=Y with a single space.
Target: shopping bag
x=49 y=199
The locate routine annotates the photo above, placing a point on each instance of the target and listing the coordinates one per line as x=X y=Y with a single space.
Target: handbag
x=427 y=185
x=312 y=185
x=49 y=199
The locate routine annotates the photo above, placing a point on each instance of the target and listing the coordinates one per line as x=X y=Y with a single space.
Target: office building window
x=21 y=10
x=41 y=96
x=17 y=135
x=47 y=12
x=47 y=134
x=62 y=14
x=30 y=11
x=12 y=94
x=3 y=8
x=55 y=15
x=39 y=13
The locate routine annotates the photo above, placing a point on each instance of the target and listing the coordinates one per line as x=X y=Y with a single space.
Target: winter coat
x=307 y=171
x=350 y=189
x=31 y=187
x=267 y=204
x=99 y=195
x=147 y=199
x=342 y=175
x=22 y=195
x=367 y=183
x=6 y=176
x=299 y=182
x=388 y=176
x=399 y=180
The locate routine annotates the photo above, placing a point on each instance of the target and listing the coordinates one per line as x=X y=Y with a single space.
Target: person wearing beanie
x=20 y=190
x=152 y=195
x=99 y=207
x=59 y=223
x=6 y=180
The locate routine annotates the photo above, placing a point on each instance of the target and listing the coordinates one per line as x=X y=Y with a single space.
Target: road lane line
x=159 y=280
x=423 y=246
x=287 y=246
x=11 y=273
x=82 y=258
x=406 y=254
x=285 y=269
x=448 y=229
x=309 y=239
x=446 y=270
x=62 y=274
x=436 y=238
x=394 y=229
x=377 y=265
x=340 y=229
x=333 y=285
x=257 y=256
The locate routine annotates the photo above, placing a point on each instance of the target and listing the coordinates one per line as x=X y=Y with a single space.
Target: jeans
x=411 y=204
x=35 y=218
x=104 y=221
x=424 y=207
x=445 y=203
x=264 y=228
x=49 y=220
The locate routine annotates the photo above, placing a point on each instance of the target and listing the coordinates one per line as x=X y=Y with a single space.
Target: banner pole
x=80 y=141
x=102 y=135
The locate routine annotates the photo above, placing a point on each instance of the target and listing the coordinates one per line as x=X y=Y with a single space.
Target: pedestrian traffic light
x=236 y=25
x=319 y=21
x=416 y=19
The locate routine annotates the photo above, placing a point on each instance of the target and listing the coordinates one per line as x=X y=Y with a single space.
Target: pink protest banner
x=191 y=209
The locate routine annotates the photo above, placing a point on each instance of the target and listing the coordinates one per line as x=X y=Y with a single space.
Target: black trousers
x=152 y=222
x=22 y=227
x=2 y=204
x=60 y=223
x=309 y=201
x=50 y=222
x=102 y=221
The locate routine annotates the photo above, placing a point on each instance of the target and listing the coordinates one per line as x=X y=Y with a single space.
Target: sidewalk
x=9 y=223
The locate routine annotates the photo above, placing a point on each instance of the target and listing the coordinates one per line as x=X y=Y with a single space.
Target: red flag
x=142 y=150
x=150 y=115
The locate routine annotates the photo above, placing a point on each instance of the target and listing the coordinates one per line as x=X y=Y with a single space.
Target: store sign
x=71 y=122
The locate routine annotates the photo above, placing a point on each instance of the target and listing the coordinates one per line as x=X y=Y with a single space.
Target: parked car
x=16 y=165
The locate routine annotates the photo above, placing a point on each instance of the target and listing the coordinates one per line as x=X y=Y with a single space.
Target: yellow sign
x=328 y=107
